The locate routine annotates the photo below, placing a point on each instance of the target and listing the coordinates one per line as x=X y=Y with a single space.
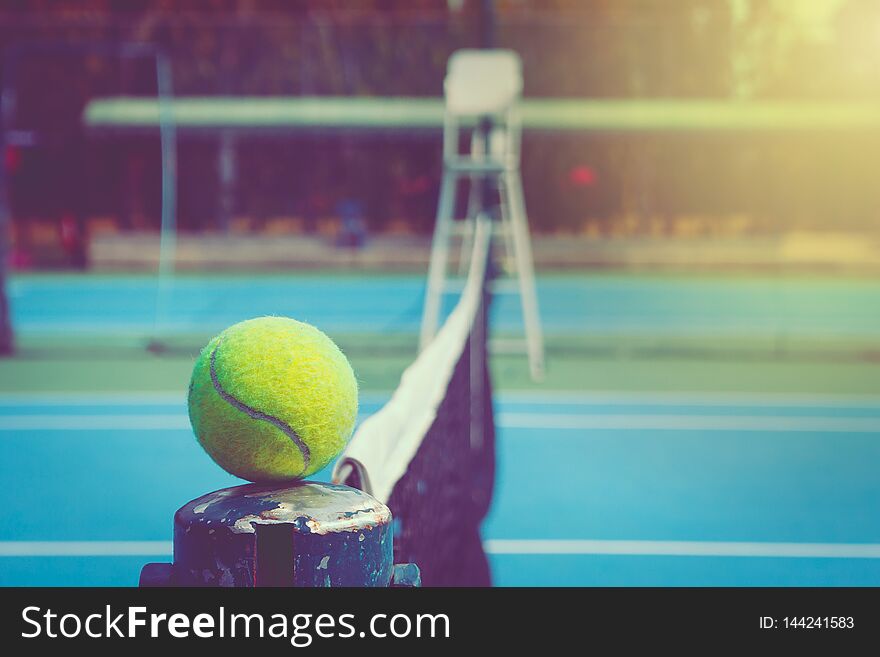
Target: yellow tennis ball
x=272 y=399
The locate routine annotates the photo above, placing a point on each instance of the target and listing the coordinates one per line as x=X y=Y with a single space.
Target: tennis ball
x=272 y=399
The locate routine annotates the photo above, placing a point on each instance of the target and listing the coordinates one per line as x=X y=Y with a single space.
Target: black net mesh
x=440 y=502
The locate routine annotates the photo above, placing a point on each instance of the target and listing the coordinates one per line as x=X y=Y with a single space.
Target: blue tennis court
x=593 y=489
x=575 y=305
x=623 y=468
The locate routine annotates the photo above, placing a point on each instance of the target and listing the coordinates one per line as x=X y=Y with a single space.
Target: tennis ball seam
x=257 y=414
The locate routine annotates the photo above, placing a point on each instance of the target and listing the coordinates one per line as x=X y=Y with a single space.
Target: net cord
x=385 y=444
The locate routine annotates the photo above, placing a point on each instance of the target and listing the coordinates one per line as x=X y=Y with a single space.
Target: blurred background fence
x=653 y=184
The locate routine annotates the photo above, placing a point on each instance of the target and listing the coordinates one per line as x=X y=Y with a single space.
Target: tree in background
x=726 y=49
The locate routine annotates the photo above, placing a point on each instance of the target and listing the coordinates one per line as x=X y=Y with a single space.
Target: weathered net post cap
x=304 y=533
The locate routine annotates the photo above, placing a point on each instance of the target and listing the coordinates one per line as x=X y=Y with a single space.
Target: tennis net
x=429 y=453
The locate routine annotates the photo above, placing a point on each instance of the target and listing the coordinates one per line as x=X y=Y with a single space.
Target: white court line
x=155 y=422
x=139 y=330
x=499 y=546
x=84 y=548
x=538 y=398
x=688 y=422
x=685 y=548
x=123 y=399
x=541 y=397
x=165 y=422
x=93 y=399
x=685 y=398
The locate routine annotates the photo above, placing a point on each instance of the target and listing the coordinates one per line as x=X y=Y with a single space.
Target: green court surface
x=76 y=366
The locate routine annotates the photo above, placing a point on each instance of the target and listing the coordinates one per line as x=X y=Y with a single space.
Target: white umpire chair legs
x=439 y=259
x=468 y=227
x=515 y=224
x=484 y=85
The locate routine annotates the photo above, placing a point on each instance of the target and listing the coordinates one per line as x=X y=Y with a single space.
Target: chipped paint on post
x=299 y=534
